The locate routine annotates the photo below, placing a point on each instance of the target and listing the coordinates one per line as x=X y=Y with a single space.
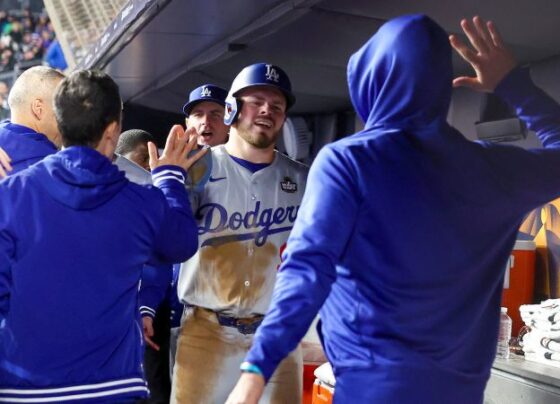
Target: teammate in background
x=133 y=145
x=205 y=113
x=244 y=212
x=69 y=321
x=32 y=133
x=410 y=304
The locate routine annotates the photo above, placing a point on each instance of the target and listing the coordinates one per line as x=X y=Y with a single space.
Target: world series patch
x=288 y=185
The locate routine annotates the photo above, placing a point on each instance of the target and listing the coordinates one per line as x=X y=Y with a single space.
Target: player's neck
x=239 y=148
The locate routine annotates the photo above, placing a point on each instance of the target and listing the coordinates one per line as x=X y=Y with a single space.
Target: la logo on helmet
x=205 y=92
x=271 y=74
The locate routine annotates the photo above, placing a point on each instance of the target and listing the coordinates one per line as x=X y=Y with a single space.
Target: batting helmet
x=206 y=92
x=259 y=74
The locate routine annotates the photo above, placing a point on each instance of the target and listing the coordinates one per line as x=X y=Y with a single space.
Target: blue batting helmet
x=259 y=74
x=206 y=92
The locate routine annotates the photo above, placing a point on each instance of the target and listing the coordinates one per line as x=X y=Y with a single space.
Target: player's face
x=262 y=115
x=208 y=119
x=140 y=156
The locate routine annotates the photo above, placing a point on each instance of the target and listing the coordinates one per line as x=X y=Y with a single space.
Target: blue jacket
x=405 y=229
x=156 y=281
x=74 y=235
x=24 y=146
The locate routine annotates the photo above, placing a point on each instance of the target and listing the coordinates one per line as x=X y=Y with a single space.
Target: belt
x=246 y=326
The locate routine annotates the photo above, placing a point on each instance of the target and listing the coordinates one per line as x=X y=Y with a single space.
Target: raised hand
x=178 y=145
x=490 y=58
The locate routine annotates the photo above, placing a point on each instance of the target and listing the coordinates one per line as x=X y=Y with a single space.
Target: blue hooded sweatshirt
x=24 y=146
x=405 y=229
x=74 y=235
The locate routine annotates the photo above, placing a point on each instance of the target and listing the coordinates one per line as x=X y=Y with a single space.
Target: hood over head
x=402 y=76
x=80 y=177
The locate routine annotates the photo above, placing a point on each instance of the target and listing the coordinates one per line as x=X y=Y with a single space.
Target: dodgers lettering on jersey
x=215 y=219
x=243 y=219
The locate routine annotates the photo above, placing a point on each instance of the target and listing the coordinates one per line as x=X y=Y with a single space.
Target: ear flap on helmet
x=232 y=108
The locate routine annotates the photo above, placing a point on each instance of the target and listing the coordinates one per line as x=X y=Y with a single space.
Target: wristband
x=248 y=367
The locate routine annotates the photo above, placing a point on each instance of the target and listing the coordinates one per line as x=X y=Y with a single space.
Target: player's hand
x=178 y=145
x=248 y=389
x=5 y=166
x=148 y=328
x=490 y=59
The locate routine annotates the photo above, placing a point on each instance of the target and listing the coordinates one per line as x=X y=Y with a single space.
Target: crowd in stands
x=25 y=39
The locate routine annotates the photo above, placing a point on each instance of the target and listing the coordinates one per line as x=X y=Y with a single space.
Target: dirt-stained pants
x=208 y=359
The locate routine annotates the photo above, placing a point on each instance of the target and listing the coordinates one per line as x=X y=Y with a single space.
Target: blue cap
x=206 y=92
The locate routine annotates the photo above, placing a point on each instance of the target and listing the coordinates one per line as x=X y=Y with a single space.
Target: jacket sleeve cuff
x=146 y=311
x=265 y=367
x=515 y=85
x=168 y=172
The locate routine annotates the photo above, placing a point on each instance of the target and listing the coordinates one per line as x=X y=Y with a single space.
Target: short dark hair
x=130 y=139
x=85 y=103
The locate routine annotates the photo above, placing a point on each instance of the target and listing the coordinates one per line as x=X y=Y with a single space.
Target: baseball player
x=133 y=146
x=205 y=113
x=244 y=212
x=406 y=226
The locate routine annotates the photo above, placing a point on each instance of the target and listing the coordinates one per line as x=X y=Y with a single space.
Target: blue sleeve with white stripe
x=156 y=281
x=172 y=243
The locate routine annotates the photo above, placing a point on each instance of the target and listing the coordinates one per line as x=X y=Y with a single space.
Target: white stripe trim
x=73 y=388
x=148 y=309
x=169 y=177
x=73 y=397
x=168 y=172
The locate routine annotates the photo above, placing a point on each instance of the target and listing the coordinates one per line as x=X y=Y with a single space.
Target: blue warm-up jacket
x=24 y=146
x=74 y=235
x=405 y=229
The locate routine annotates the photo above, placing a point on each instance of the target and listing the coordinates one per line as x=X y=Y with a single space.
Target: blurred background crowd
x=27 y=39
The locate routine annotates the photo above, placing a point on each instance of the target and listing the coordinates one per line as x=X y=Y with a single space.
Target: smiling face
x=207 y=118
x=262 y=115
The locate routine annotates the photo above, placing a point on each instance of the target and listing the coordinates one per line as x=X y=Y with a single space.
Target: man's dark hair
x=85 y=103
x=130 y=139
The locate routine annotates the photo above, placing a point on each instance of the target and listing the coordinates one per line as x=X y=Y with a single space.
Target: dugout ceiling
x=161 y=49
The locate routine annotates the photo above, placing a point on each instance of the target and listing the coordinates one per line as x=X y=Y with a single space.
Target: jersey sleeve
x=318 y=240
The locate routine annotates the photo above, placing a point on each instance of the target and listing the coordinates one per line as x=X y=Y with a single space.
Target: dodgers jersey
x=244 y=220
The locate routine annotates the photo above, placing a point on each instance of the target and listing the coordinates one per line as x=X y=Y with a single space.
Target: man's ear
x=113 y=131
x=37 y=108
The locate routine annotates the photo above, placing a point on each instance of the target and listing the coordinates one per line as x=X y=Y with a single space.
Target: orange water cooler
x=519 y=281
x=323 y=388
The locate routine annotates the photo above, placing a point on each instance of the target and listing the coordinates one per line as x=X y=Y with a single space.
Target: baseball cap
x=206 y=92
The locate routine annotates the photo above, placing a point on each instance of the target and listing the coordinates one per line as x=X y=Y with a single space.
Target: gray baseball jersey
x=244 y=220
x=133 y=171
